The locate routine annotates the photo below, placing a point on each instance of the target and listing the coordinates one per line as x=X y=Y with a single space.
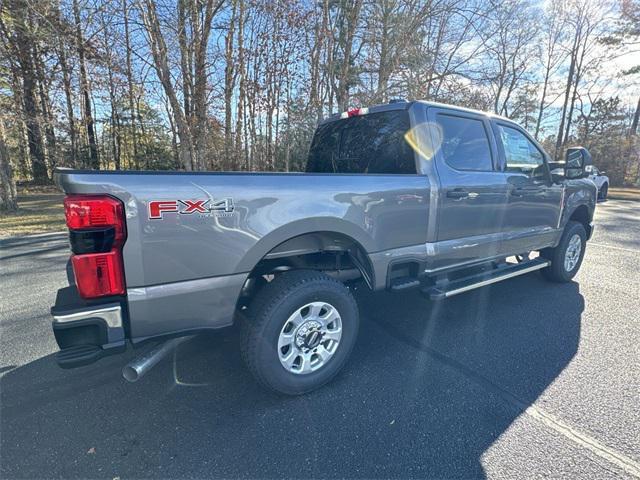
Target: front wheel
x=300 y=331
x=567 y=257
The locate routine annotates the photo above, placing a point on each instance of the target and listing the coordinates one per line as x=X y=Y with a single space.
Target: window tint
x=522 y=156
x=464 y=143
x=371 y=143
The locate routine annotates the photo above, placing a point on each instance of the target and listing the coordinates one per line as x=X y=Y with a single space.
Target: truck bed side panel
x=381 y=212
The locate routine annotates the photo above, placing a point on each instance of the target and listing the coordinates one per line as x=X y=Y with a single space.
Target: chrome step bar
x=456 y=287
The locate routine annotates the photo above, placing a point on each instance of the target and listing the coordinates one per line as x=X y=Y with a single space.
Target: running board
x=485 y=278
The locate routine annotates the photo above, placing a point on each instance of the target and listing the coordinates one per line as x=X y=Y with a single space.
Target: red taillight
x=354 y=112
x=94 y=211
x=97 y=274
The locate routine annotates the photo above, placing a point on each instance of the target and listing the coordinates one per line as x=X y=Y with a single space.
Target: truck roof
x=405 y=104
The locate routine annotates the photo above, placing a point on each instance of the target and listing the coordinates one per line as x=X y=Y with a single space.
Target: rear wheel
x=301 y=329
x=604 y=190
x=567 y=257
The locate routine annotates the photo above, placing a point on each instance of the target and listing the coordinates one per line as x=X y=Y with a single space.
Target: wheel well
x=334 y=253
x=581 y=214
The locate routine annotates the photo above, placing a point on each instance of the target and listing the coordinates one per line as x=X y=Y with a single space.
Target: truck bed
x=206 y=257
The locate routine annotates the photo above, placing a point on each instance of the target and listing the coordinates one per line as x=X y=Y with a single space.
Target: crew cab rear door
x=473 y=192
x=533 y=208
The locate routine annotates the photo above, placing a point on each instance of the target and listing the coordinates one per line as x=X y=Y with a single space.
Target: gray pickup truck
x=407 y=195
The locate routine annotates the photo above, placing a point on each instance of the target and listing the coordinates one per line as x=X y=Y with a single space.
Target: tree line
x=241 y=84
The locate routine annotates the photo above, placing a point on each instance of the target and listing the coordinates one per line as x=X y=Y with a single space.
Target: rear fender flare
x=302 y=227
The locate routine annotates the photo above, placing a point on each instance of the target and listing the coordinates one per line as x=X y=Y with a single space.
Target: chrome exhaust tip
x=137 y=368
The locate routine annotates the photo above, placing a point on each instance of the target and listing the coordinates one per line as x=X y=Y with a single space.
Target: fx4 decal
x=219 y=208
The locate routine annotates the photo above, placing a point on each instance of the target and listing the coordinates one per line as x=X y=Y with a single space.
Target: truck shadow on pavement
x=428 y=390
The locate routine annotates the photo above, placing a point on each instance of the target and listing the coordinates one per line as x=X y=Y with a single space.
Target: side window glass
x=464 y=143
x=521 y=154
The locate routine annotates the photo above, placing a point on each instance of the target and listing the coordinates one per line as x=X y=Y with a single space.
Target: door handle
x=458 y=193
x=521 y=191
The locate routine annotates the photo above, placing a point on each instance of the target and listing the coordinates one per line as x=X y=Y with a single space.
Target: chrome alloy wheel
x=572 y=255
x=309 y=337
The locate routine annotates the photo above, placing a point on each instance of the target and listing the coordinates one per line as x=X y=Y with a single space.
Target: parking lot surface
x=524 y=378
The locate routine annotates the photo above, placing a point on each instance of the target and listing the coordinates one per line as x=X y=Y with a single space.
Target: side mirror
x=577 y=163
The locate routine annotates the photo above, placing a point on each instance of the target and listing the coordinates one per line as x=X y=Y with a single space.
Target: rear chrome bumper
x=109 y=317
x=86 y=331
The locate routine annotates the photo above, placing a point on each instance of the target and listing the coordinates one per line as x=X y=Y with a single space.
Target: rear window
x=465 y=145
x=371 y=143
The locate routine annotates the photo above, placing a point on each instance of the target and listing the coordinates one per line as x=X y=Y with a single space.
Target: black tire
x=267 y=315
x=557 y=271
x=604 y=191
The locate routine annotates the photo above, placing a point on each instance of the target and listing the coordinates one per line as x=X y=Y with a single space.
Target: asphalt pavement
x=522 y=379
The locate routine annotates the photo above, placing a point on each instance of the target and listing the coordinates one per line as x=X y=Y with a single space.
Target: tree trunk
x=161 y=65
x=8 y=195
x=116 y=142
x=24 y=50
x=347 y=36
x=84 y=91
x=542 y=100
x=45 y=110
x=314 y=66
x=186 y=55
x=636 y=118
x=229 y=86
x=384 y=64
x=23 y=163
x=129 y=73
x=242 y=87
x=68 y=94
x=567 y=93
x=200 y=81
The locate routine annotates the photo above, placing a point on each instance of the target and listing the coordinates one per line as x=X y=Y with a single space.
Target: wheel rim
x=572 y=255
x=309 y=338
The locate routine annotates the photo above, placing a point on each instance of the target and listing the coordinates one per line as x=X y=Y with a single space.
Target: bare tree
x=20 y=40
x=191 y=118
x=87 y=111
x=130 y=83
x=8 y=195
x=345 y=49
x=553 y=32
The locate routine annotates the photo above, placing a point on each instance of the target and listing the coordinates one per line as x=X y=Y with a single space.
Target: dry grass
x=628 y=193
x=39 y=211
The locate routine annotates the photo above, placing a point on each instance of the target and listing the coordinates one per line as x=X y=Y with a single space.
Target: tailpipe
x=135 y=369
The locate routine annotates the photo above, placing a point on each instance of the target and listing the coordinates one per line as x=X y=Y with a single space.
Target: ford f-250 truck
x=406 y=195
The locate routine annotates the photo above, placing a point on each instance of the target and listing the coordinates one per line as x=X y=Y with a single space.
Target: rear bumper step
x=472 y=282
x=86 y=331
x=79 y=355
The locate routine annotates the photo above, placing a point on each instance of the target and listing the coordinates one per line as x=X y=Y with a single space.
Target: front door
x=533 y=209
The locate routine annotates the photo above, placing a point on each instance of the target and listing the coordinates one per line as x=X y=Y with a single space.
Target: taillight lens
x=94 y=211
x=98 y=274
x=354 y=112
